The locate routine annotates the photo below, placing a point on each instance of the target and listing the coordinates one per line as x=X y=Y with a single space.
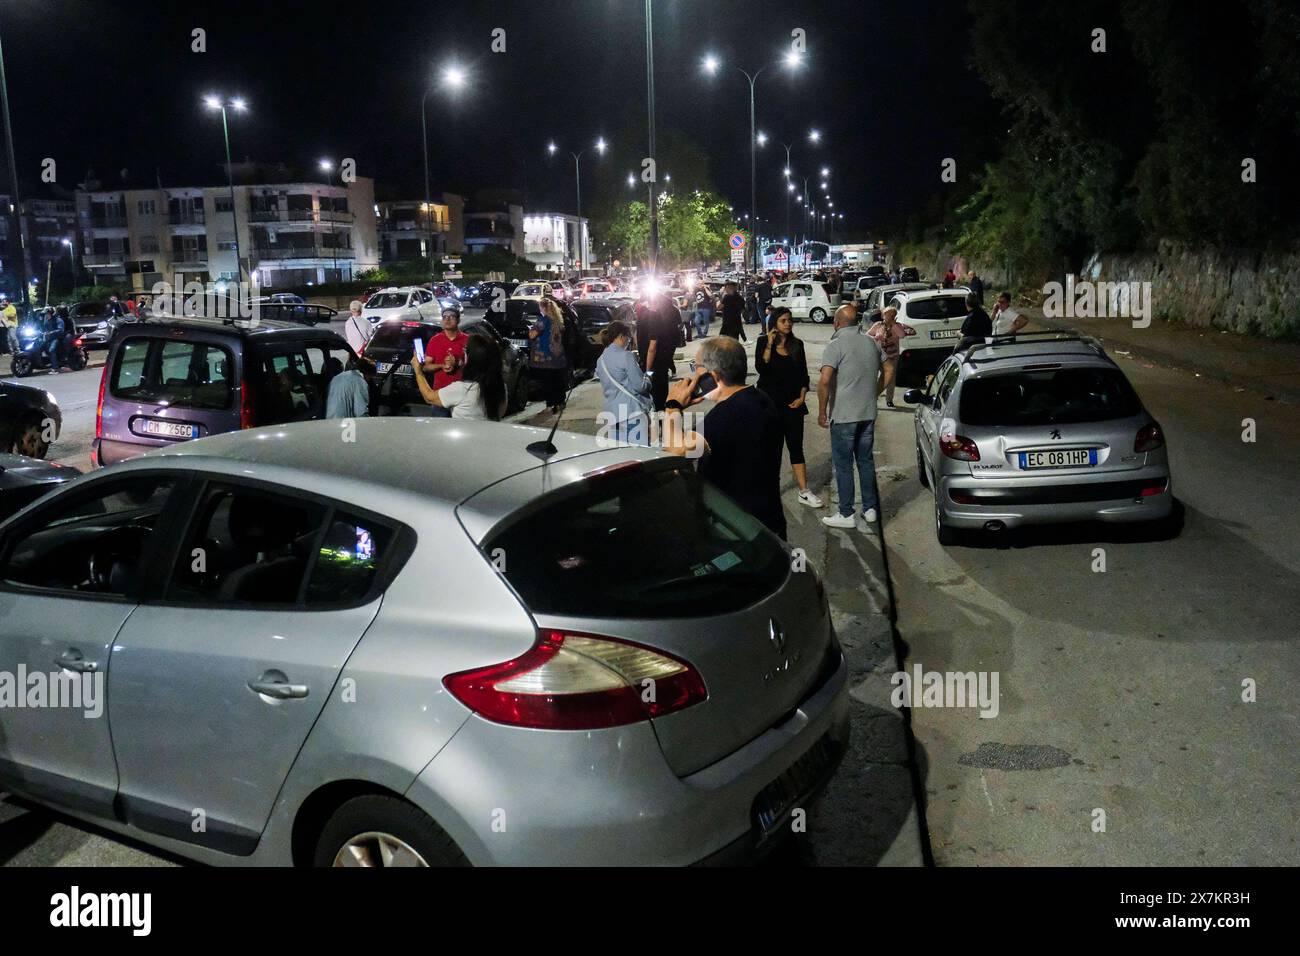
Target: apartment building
x=287 y=233
x=51 y=238
x=411 y=229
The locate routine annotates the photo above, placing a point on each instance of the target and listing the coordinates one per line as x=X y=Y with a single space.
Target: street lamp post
x=72 y=259
x=577 y=182
x=711 y=65
x=19 y=220
x=237 y=104
x=328 y=167
x=453 y=77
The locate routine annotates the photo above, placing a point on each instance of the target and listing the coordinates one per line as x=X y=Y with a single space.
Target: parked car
x=301 y=687
x=909 y=274
x=401 y=302
x=489 y=291
x=531 y=289
x=875 y=300
x=30 y=419
x=97 y=321
x=591 y=287
x=173 y=381
x=931 y=321
x=24 y=480
x=1033 y=429
x=392 y=348
x=806 y=300
x=518 y=318
x=594 y=314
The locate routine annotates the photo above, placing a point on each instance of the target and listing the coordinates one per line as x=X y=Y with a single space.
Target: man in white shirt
x=356 y=329
x=1006 y=320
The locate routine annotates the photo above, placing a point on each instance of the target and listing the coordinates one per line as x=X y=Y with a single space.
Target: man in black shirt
x=733 y=307
x=656 y=339
x=743 y=434
x=977 y=326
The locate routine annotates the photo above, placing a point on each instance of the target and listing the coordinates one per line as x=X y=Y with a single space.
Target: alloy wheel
x=377 y=849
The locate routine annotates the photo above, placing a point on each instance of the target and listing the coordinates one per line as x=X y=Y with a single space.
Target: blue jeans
x=852 y=442
x=702 y=319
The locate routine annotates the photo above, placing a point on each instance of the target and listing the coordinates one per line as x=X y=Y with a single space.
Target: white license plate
x=402 y=368
x=170 y=429
x=946 y=334
x=1066 y=458
x=519 y=343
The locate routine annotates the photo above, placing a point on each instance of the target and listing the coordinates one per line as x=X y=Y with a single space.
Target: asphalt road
x=1120 y=690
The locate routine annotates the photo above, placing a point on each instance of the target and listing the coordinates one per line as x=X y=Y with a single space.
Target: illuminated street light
x=583 y=236
x=815 y=136
x=711 y=65
x=214 y=102
x=453 y=77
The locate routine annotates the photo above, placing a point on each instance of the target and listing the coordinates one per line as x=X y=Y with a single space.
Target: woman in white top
x=480 y=393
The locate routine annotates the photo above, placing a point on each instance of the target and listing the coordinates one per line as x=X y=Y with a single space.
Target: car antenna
x=544 y=450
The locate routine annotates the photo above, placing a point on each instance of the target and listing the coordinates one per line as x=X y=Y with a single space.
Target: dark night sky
x=112 y=84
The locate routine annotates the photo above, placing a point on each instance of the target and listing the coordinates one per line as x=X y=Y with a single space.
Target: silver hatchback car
x=1037 y=428
x=415 y=643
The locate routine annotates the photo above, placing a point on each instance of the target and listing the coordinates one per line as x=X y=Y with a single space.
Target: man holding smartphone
x=743 y=435
x=445 y=353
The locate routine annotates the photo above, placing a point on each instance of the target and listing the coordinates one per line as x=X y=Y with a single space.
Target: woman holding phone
x=480 y=393
x=782 y=370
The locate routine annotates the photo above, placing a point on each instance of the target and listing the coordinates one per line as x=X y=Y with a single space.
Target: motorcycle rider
x=55 y=329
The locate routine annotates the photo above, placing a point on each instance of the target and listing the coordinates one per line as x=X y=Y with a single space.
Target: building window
x=146 y=207
x=223 y=204
x=148 y=243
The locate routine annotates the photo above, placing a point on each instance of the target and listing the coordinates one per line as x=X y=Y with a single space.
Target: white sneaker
x=869 y=516
x=810 y=499
x=839 y=521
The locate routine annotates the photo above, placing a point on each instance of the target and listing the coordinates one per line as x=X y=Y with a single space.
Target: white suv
x=805 y=299
x=931 y=320
x=405 y=302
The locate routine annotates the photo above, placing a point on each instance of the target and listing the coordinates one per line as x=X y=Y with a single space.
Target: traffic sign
x=779 y=255
x=737 y=240
x=738 y=256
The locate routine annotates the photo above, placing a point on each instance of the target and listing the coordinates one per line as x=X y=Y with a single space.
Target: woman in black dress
x=782 y=370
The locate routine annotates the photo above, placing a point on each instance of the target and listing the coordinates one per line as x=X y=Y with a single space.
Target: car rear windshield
x=387 y=300
x=1048 y=397
x=940 y=307
x=400 y=336
x=643 y=545
x=185 y=374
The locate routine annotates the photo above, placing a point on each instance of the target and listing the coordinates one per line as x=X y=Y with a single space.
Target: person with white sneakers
x=851 y=381
x=782 y=367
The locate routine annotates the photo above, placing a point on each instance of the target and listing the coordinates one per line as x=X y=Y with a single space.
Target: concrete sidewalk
x=1268 y=367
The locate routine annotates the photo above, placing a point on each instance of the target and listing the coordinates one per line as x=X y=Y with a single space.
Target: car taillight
x=1155 y=488
x=959 y=448
x=246 y=416
x=579 y=682
x=1149 y=438
x=78 y=341
x=99 y=406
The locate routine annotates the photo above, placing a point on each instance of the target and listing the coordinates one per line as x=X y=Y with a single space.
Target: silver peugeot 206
x=416 y=643
x=1037 y=428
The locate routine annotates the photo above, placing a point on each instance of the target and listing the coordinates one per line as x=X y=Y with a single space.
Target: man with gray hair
x=850 y=383
x=743 y=434
x=356 y=329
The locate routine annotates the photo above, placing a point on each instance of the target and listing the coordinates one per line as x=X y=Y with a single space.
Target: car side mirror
x=914 y=396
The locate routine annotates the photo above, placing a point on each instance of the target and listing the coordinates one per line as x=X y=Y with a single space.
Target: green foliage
x=693 y=228
x=1115 y=150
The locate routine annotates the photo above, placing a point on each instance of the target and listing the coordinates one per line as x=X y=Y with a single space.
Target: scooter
x=33 y=351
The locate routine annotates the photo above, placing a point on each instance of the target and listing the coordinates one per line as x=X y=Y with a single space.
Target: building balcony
x=187 y=218
x=189 y=263
x=103 y=259
x=335 y=215
x=269 y=253
x=264 y=215
x=107 y=222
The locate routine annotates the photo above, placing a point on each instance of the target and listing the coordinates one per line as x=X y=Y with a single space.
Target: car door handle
x=278 y=689
x=73 y=661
